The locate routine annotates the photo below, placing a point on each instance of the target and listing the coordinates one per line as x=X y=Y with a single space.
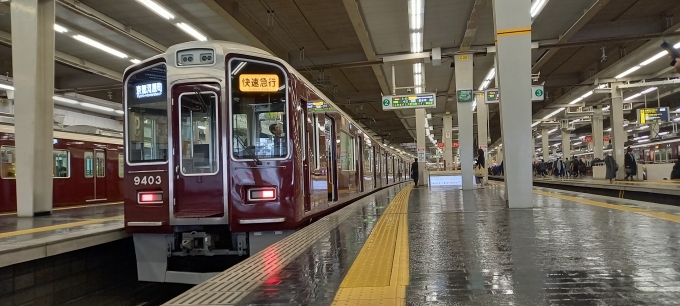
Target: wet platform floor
x=466 y=248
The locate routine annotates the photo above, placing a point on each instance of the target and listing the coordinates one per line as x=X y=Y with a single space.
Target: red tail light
x=150 y=197
x=262 y=194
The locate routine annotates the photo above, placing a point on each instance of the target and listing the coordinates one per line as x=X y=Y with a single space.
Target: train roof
x=8 y=128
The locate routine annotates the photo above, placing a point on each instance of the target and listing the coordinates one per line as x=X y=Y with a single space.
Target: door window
x=199 y=139
x=89 y=164
x=101 y=163
x=61 y=163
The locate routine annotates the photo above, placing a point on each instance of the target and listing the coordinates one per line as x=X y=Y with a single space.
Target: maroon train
x=228 y=150
x=87 y=169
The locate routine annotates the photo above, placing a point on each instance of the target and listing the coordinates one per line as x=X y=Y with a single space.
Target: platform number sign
x=386 y=102
x=537 y=93
x=147 y=180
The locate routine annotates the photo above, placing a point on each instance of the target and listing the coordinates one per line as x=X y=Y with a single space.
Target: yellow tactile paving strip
x=56 y=227
x=69 y=207
x=380 y=274
x=641 y=211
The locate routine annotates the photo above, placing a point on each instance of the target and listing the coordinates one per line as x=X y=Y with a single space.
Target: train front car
x=210 y=164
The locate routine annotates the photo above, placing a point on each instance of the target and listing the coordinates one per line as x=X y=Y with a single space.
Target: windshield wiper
x=250 y=151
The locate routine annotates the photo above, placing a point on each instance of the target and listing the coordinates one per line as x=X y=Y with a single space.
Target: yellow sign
x=258 y=82
x=463 y=57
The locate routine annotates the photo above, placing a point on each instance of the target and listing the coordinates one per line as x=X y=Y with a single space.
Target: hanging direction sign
x=653 y=115
x=465 y=95
x=409 y=101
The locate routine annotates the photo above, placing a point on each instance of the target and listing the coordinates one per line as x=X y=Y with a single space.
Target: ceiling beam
x=84 y=10
x=70 y=60
x=589 y=14
x=354 y=13
x=472 y=25
x=231 y=11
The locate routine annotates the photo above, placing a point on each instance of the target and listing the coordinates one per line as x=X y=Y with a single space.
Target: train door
x=376 y=162
x=95 y=169
x=198 y=186
x=360 y=160
x=332 y=177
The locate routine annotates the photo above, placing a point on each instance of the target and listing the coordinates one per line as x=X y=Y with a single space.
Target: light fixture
x=553 y=113
x=7 y=87
x=191 y=31
x=627 y=72
x=587 y=94
x=648 y=90
x=200 y=127
x=100 y=46
x=663 y=133
x=628 y=131
x=536 y=7
x=552 y=131
x=654 y=58
x=641 y=137
x=535 y=124
x=104 y=108
x=487 y=80
x=643 y=140
x=60 y=29
x=135 y=61
x=577 y=143
x=156 y=8
x=644 y=127
x=65 y=100
x=120 y=111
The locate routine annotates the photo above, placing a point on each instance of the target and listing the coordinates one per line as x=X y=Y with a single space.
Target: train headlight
x=150 y=197
x=262 y=194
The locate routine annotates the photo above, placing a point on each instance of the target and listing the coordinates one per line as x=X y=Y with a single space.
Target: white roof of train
x=72 y=136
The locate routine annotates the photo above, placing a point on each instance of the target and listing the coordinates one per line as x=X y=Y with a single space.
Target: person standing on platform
x=611 y=167
x=414 y=171
x=480 y=165
x=630 y=164
x=567 y=168
x=675 y=174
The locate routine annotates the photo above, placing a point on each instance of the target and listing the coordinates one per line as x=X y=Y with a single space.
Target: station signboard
x=465 y=96
x=493 y=95
x=424 y=100
x=653 y=115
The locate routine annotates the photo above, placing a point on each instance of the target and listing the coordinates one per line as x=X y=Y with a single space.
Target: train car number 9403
x=148 y=180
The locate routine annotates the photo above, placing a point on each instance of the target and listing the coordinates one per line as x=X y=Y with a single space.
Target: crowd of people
x=567 y=168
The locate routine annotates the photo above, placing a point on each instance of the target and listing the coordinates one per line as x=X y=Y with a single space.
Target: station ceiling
x=340 y=46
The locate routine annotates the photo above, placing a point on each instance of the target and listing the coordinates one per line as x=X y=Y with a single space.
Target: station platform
x=445 y=246
x=66 y=229
x=660 y=192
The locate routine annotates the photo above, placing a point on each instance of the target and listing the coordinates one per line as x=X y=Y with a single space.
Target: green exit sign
x=465 y=95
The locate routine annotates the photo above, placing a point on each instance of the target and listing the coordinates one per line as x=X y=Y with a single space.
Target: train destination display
x=409 y=101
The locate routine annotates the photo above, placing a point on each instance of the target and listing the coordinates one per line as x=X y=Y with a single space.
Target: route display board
x=409 y=101
x=465 y=95
x=653 y=115
x=493 y=96
x=319 y=106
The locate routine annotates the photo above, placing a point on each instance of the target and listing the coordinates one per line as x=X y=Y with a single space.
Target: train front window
x=259 y=124
x=147 y=115
x=198 y=121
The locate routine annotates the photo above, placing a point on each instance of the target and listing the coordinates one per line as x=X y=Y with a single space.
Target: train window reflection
x=61 y=163
x=199 y=133
x=259 y=115
x=147 y=115
x=346 y=151
x=8 y=162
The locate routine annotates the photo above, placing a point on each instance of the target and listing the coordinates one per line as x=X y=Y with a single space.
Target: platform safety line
x=56 y=227
x=70 y=207
x=380 y=273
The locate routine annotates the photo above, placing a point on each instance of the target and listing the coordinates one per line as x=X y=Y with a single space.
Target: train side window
x=89 y=164
x=346 y=151
x=200 y=139
x=368 y=158
x=121 y=167
x=315 y=131
x=8 y=162
x=61 y=165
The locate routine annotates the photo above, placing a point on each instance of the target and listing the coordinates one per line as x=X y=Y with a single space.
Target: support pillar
x=545 y=145
x=482 y=132
x=513 y=36
x=619 y=135
x=448 y=149
x=33 y=73
x=421 y=142
x=465 y=121
x=566 y=144
x=598 y=132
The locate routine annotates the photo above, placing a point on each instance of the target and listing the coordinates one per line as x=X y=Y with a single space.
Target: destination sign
x=318 y=106
x=653 y=115
x=258 y=82
x=492 y=96
x=409 y=101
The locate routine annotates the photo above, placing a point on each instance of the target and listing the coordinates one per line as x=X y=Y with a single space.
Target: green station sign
x=409 y=101
x=465 y=95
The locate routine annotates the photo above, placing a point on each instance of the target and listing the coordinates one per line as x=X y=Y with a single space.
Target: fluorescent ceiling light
x=65 y=100
x=577 y=143
x=536 y=7
x=191 y=31
x=97 y=107
x=100 y=46
x=539 y=136
x=60 y=29
x=629 y=131
x=491 y=74
x=644 y=127
x=535 y=123
x=633 y=97
x=648 y=90
x=627 y=72
x=654 y=58
x=156 y=8
x=201 y=127
x=643 y=140
x=135 y=61
x=676 y=119
x=120 y=111
x=552 y=131
x=641 y=137
x=7 y=87
x=663 y=133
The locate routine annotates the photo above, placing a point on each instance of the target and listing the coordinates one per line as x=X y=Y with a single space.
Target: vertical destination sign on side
x=409 y=101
